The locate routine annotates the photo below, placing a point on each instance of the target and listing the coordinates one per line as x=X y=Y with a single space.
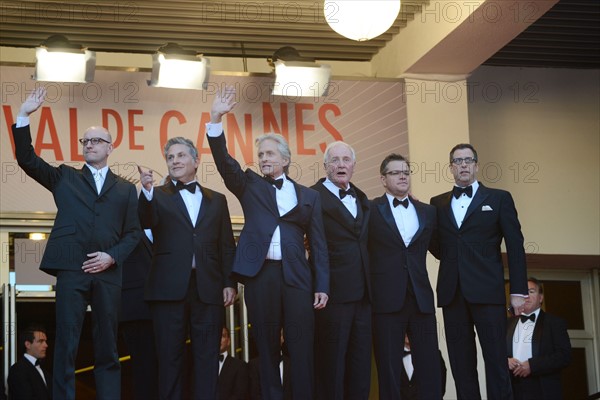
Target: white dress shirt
x=99 y=176
x=523 y=337
x=348 y=201
x=406 y=219
x=224 y=354
x=285 y=197
x=460 y=205
x=408 y=365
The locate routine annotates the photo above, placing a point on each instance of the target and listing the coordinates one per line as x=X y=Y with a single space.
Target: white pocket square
x=486 y=208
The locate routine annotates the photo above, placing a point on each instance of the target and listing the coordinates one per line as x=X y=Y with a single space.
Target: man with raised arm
x=281 y=286
x=95 y=229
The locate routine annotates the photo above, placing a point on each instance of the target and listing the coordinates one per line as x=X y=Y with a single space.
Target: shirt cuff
x=22 y=121
x=214 y=130
x=148 y=194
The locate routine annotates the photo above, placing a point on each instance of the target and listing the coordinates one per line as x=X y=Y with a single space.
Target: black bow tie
x=405 y=353
x=221 y=357
x=525 y=318
x=458 y=191
x=397 y=202
x=190 y=186
x=349 y=192
x=37 y=362
x=277 y=182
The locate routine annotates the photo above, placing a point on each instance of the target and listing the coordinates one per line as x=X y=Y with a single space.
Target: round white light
x=361 y=20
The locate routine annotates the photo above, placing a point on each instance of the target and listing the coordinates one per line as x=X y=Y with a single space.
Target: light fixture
x=59 y=60
x=297 y=76
x=361 y=20
x=175 y=67
x=37 y=236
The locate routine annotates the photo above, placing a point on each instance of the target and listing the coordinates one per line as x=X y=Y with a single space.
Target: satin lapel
x=37 y=375
x=512 y=324
x=272 y=198
x=178 y=200
x=537 y=334
x=421 y=217
x=89 y=178
x=109 y=182
x=363 y=204
x=447 y=210
x=479 y=197
x=332 y=205
x=384 y=208
x=204 y=206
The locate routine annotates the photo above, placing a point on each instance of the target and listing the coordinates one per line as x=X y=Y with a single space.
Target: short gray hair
x=333 y=144
x=181 y=140
x=282 y=146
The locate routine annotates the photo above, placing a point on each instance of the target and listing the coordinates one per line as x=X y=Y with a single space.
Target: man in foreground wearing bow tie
x=27 y=380
x=281 y=286
x=472 y=221
x=188 y=285
x=95 y=229
x=400 y=231
x=343 y=328
x=538 y=348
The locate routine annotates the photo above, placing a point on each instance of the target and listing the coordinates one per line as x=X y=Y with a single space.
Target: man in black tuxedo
x=95 y=229
x=409 y=388
x=136 y=323
x=27 y=380
x=281 y=286
x=400 y=231
x=188 y=285
x=538 y=349
x=343 y=328
x=472 y=221
x=233 y=373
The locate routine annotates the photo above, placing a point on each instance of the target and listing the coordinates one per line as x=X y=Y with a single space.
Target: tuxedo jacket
x=470 y=256
x=550 y=352
x=409 y=387
x=177 y=241
x=254 y=370
x=393 y=263
x=234 y=380
x=261 y=217
x=86 y=221
x=347 y=237
x=135 y=270
x=26 y=383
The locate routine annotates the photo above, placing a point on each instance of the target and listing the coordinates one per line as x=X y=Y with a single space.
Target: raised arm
x=32 y=164
x=228 y=167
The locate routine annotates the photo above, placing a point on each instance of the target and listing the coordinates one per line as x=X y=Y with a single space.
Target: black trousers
x=388 y=343
x=273 y=305
x=173 y=320
x=76 y=290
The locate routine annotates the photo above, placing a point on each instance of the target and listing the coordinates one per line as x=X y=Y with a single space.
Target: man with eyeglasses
x=343 y=328
x=400 y=231
x=472 y=222
x=95 y=229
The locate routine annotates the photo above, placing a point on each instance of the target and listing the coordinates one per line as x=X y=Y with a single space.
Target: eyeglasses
x=467 y=160
x=94 y=141
x=396 y=173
